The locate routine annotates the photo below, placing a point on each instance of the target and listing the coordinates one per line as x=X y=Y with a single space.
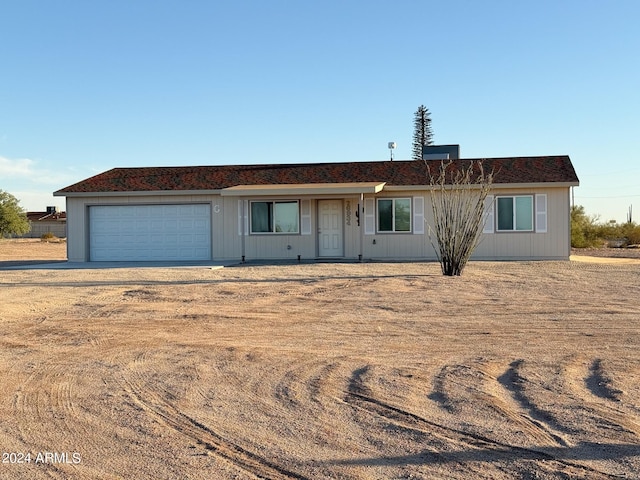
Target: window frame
x=514 y=219
x=273 y=217
x=393 y=214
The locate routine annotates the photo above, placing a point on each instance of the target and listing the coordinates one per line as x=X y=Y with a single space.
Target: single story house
x=42 y=223
x=352 y=210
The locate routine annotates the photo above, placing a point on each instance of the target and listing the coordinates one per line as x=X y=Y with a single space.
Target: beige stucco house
x=354 y=210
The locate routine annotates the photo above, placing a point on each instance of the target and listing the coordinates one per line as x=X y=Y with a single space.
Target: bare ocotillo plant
x=458 y=194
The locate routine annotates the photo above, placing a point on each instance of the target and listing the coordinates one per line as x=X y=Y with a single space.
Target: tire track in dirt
x=197 y=392
x=593 y=389
x=321 y=385
x=47 y=397
x=515 y=383
x=28 y=304
x=519 y=394
x=169 y=415
x=160 y=401
x=600 y=382
x=282 y=400
x=309 y=385
x=484 y=382
x=360 y=396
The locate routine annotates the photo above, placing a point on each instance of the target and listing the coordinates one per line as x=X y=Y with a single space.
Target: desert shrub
x=608 y=231
x=585 y=231
x=457 y=201
x=631 y=233
x=48 y=237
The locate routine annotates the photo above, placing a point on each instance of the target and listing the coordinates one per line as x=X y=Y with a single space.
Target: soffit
x=302 y=189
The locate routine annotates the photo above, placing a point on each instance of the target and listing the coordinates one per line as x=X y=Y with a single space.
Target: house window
x=394 y=214
x=515 y=214
x=275 y=217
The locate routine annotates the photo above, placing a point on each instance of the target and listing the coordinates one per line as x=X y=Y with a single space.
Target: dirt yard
x=525 y=370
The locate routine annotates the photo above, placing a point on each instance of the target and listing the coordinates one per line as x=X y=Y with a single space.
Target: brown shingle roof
x=549 y=169
x=46 y=216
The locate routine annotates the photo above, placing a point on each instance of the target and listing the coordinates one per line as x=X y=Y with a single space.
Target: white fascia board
x=494 y=186
x=350 y=188
x=536 y=185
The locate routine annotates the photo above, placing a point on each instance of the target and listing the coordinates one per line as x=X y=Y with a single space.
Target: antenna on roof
x=391 y=146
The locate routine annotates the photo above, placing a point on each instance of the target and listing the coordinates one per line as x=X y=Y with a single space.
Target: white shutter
x=369 y=216
x=418 y=215
x=243 y=216
x=541 y=212
x=305 y=217
x=488 y=214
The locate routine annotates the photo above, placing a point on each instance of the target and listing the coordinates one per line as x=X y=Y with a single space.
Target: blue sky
x=88 y=86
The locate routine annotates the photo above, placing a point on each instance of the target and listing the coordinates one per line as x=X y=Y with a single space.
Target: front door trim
x=330 y=228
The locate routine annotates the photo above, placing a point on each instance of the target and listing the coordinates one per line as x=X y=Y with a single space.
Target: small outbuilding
x=354 y=210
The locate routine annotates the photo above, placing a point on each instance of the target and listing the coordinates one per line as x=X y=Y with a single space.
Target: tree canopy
x=13 y=219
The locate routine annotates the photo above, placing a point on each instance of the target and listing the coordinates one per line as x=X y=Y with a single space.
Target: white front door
x=330 y=229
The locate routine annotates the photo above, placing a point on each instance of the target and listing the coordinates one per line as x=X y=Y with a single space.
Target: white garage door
x=149 y=232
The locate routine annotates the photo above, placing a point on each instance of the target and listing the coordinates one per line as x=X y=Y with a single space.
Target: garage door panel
x=141 y=211
x=170 y=239
x=200 y=225
x=150 y=232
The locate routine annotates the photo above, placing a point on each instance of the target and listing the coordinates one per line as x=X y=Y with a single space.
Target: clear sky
x=86 y=86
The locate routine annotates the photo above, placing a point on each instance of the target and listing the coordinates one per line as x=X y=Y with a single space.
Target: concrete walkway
x=607 y=260
x=65 y=265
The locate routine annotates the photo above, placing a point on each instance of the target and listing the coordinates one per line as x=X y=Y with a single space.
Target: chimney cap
x=440 y=152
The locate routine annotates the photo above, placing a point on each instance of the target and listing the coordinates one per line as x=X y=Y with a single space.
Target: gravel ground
x=515 y=370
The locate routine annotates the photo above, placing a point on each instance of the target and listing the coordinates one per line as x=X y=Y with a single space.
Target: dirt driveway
x=525 y=370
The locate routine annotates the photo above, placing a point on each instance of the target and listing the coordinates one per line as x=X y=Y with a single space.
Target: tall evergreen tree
x=422 y=132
